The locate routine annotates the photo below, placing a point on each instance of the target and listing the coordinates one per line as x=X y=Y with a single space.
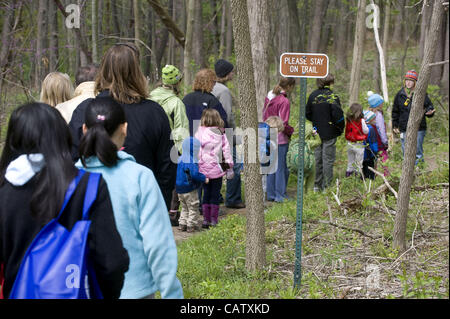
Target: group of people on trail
x=122 y=160
x=365 y=133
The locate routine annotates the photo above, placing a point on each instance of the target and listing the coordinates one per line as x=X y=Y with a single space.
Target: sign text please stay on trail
x=308 y=65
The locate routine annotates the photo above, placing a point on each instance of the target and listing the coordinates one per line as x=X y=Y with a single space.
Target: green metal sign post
x=303 y=66
x=300 y=183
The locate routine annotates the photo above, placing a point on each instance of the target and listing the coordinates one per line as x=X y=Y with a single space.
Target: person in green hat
x=166 y=95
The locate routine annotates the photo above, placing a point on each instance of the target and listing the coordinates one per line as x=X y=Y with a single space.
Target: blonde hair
x=204 y=81
x=210 y=117
x=275 y=122
x=56 y=88
x=120 y=73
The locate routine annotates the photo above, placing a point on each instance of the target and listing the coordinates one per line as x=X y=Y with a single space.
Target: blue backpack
x=55 y=265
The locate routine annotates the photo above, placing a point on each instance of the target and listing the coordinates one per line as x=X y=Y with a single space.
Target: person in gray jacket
x=224 y=73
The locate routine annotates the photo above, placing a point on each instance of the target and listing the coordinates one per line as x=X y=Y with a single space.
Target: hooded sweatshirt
x=279 y=105
x=83 y=92
x=213 y=145
x=188 y=176
x=176 y=112
x=143 y=223
x=18 y=227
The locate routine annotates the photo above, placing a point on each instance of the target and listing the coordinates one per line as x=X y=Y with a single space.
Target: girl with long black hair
x=35 y=171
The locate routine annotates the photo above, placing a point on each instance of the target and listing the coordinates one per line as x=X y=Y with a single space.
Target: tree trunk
x=445 y=74
x=399 y=22
x=223 y=21
x=258 y=16
x=387 y=19
x=8 y=16
x=94 y=30
x=330 y=18
x=294 y=22
x=304 y=22
x=214 y=27
x=427 y=8
x=358 y=49
x=381 y=60
x=229 y=36
x=54 y=49
x=436 y=71
x=40 y=59
x=197 y=40
x=255 y=243
x=340 y=37
x=115 y=18
x=188 y=70
x=314 y=34
x=415 y=117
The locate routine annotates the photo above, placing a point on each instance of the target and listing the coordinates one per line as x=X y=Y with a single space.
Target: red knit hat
x=411 y=75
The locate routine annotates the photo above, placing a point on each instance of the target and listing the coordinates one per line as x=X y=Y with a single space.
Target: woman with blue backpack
x=46 y=200
x=139 y=207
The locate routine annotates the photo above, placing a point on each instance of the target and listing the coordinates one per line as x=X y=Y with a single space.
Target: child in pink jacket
x=214 y=162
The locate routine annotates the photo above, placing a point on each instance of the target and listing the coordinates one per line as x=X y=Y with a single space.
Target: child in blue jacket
x=371 y=150
x=189 y=180
x=139 y=208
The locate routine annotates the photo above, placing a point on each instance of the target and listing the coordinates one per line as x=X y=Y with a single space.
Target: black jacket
x=324 y=111
x=402 y=107
x=18 y=229
x=196 y=102
x=148 y=139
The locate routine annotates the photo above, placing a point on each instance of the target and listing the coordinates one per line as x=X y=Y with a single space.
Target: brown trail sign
x=308 y=65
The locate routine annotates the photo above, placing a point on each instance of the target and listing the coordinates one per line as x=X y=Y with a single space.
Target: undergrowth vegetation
x=347 y=249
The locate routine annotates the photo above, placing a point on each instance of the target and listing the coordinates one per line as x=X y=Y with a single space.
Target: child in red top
x=356 y=132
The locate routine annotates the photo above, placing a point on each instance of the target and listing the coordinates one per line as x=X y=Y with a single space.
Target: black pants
x=366 y=171
x=211 y=191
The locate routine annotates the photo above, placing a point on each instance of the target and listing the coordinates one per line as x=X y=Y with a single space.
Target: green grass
x=212 y=264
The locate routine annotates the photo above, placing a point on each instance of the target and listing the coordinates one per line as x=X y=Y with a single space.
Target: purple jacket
x=279 y=105
x=212 y=146
x=381 y=127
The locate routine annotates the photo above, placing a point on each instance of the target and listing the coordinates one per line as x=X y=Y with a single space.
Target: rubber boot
x=214 y=214
x=206 y=208
x=174 y=217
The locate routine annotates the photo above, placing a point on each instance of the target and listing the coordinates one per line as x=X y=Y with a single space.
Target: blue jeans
x=233 y=194
x=277 y=182
x=419 y=152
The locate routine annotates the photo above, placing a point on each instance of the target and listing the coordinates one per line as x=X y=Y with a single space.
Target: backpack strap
x=91 y=193
x=70 y=190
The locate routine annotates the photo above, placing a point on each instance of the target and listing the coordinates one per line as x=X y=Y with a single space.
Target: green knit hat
x=171 y=75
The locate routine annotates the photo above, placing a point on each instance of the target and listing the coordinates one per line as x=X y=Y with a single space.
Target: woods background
x=36 y=41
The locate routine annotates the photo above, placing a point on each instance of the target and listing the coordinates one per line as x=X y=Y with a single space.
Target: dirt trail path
x=181 y=236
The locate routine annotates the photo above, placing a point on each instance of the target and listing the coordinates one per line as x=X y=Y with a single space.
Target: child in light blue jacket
x=139 y=208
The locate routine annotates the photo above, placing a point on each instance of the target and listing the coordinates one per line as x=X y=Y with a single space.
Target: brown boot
x=191 y=229
x=182 y=227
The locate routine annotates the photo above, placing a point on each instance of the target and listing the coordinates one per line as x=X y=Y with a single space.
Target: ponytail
x=103 y=116
x=97 y=142
x=283 y=84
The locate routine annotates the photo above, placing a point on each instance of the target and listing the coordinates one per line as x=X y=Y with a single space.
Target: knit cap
x=222 y=68
x=369 y=116
x=374 y=99
x=411 y=75
x=171 y=75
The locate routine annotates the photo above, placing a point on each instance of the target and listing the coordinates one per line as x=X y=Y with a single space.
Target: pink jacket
x=212 y=145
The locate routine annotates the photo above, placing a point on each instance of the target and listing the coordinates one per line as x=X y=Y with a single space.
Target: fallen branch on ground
x=348 y=228
x=385 y=181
